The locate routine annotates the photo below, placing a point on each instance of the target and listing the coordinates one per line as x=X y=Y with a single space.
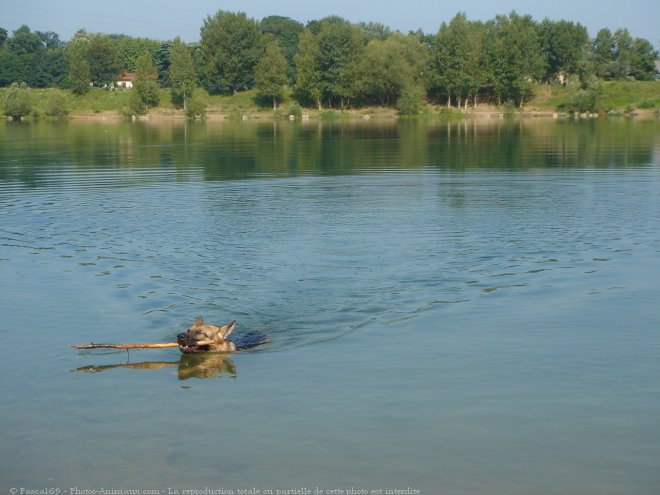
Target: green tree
x=162 y=63
x=231 y=47
x=340 y=49
x=602 y=54
x=308 y=71
x=374 y=31
x=56 y=104
x=197 y=104
x=564 y=45
x=24 y=41
x=514 y=56
x=411 y=101
x=182 y=76
x=270 y=73
x=80 y=75
x=3 y=37
x=18 y=101
x=145 y=83
x=449 y=59
x=475 y=61
x=8 y=66
x=328 y=62
x=643 y=60
x=104 y=64
x=391 y=66
x=623 y=53
x=128 y=49
x=287 y=32
x=51 y=40
x=33 y=57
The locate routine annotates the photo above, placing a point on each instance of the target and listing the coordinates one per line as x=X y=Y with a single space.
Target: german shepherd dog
x=203 y=337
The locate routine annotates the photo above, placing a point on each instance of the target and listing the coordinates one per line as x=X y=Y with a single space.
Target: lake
x=455 y=308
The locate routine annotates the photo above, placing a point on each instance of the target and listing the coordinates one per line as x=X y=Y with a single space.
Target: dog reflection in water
x=207 y=365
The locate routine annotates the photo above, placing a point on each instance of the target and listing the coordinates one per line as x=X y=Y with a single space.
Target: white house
x=125 y=80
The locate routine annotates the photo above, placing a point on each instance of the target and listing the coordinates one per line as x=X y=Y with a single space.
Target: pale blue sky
x=165 y=19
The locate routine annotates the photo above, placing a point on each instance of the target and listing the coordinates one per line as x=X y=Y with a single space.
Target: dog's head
x=202 y=337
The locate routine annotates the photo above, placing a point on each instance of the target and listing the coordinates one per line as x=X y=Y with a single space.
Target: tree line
x=333 y=63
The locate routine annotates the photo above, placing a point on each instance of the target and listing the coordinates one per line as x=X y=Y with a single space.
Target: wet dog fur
x=204 y=337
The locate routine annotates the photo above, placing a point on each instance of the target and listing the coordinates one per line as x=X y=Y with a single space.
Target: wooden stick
x=125 y=346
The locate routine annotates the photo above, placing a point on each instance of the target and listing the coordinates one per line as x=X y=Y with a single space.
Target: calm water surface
x=463 y=308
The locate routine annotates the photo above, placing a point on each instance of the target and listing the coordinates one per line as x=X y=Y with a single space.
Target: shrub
x=56 y=104
x=134 y=105
x=410 y=102
x=647 y=104
x=294 y=110
x=18 y=101
x=584 y=100
x=196 y=105
x=509 y=108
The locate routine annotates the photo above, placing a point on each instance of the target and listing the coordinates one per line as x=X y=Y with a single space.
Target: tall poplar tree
x=182 y=75
x=146 y=80
x=308 y=71
x=271 y=73
x=79 y=70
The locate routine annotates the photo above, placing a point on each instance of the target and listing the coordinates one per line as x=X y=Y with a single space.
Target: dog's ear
x=199 y=321
x=226 y=330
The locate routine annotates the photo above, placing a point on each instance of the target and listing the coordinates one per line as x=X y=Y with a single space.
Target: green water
x=463 y=308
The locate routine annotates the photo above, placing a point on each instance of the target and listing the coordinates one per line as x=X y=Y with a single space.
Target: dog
x=203 y=337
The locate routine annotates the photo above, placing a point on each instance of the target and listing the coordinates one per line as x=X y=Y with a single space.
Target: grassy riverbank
x=622 y=97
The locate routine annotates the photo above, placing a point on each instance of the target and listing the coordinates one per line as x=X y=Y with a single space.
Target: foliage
x=286 y=32
x=620 y=56
x=295 y=109
x=374 y=31
x=390 y=66
x=340 y=51
x=564 y=45
x=514 y=57
x=100 y=55
x=411 y=101
x=145 y=83
x=231 y=47
x=509 y=108
x=56 y=104
x=338 y=64
x=79 y=70
x=450 y=55
x=602 y=53
x=36 y=58
x=24 y=41
x=129 y=49
x=584 y=100
x=134 y=105
x=308 y=75
x=611 y=95
x=328 y=62
x=182 y=76
x=643 y=60
x=196 y=108
x=162 y=62
x=18 y=101
x=270 y=73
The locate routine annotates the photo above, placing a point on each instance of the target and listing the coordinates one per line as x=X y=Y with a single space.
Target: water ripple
x=308 y=258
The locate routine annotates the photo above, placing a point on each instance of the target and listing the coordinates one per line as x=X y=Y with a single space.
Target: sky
x=166 y=19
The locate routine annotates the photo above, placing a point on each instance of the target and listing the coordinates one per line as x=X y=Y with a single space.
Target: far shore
x=372 y=113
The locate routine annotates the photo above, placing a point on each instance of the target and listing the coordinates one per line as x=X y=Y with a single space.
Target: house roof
x=127 y=76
